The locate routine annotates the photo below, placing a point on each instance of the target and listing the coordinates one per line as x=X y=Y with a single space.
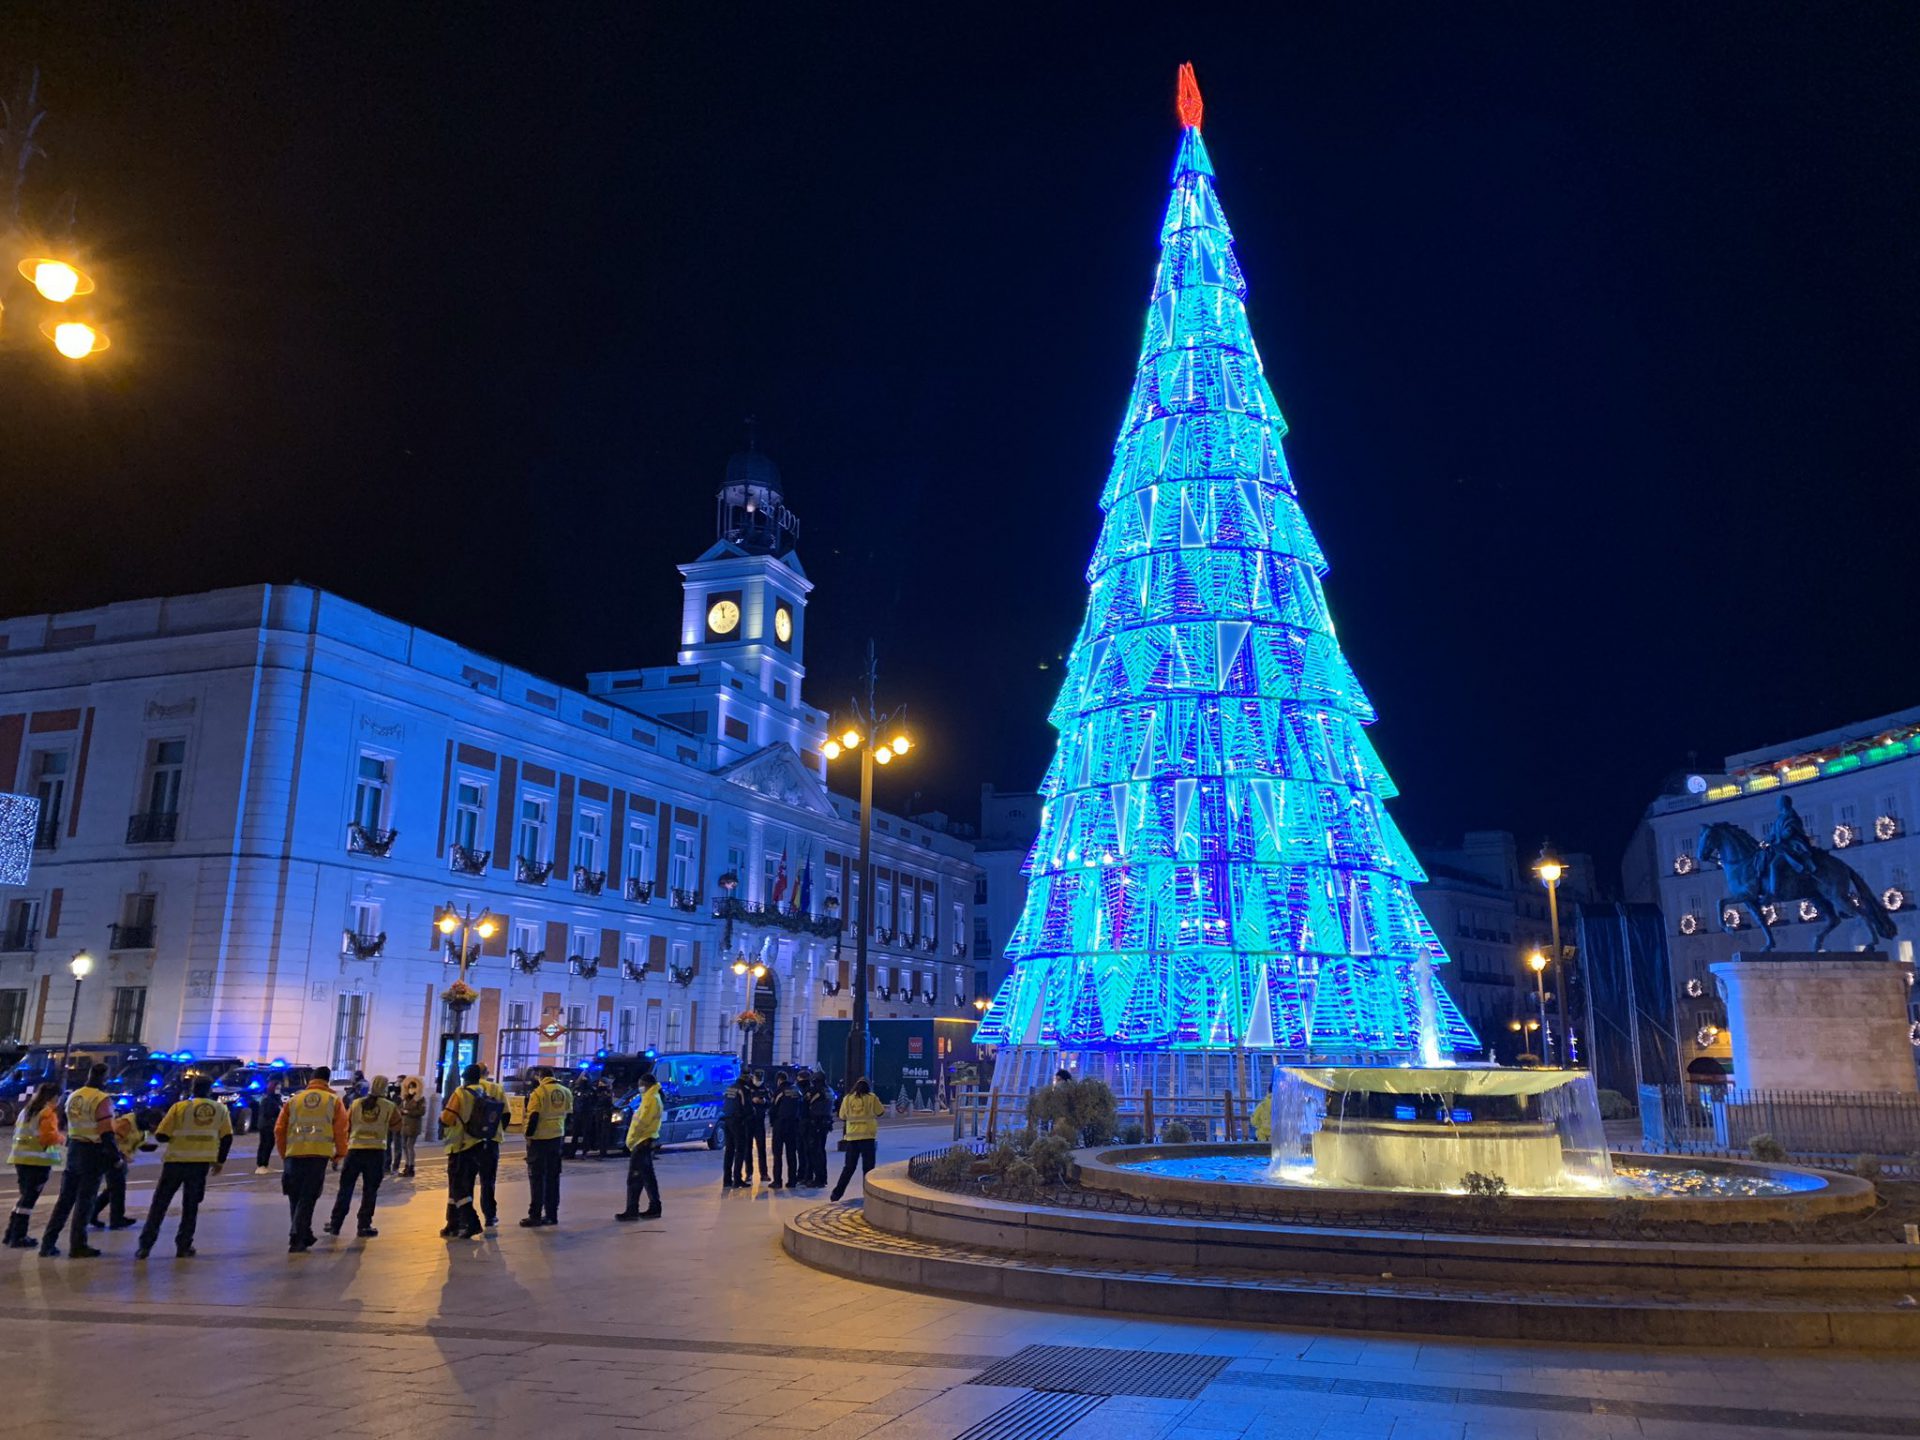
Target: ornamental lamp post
x=867 y=727
x=1550 y=870
x=80 y=966
x=1538 y=964
x=459 y=995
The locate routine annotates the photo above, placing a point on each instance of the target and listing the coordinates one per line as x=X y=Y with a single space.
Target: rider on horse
x=1786 y=844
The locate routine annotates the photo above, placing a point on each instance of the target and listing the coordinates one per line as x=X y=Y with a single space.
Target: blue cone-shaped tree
x=1215 y=867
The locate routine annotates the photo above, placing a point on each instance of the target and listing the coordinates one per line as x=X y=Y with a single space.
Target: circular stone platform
x=1494 y=1286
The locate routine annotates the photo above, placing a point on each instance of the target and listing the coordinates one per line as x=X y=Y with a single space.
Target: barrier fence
x=1807 y=1124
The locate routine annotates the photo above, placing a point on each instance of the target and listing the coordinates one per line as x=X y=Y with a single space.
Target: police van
x=692 y=1083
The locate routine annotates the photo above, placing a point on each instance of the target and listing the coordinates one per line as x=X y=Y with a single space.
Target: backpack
x=483 y=1119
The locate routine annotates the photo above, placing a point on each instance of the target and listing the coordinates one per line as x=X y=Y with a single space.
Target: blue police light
x=651 y=1052
x=255 y=1084
x=278 y=1064
x=185 y=1057
x=602 y=1052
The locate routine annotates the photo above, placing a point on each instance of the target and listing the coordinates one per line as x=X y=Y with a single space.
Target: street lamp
x=81 y=966
x=453 y=1031
x=1538 y=964
x=56 y=282
x=1550 y=870
x=869 y=724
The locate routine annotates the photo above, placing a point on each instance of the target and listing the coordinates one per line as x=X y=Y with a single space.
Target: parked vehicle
x=692 y=1083
x=241 y=1087
x=42 y=1062
x=148 y=1086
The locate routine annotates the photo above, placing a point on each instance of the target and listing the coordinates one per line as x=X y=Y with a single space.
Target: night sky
x=1594 y=325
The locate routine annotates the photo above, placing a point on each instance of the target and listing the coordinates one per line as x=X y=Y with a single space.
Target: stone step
x=839 y=1239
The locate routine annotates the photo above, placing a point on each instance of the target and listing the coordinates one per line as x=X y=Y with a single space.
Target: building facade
x=256 y=805
x=1857 y=789
x=1008 y=823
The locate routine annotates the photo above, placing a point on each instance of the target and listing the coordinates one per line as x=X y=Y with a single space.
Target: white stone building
x=1008 y=823
x=256 y=803
x=1858 y=790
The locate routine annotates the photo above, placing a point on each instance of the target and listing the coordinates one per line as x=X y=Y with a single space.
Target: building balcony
x=959 y=949
x=363 y=947
x=532 y=872
x=156 y=827
x=585 y=966
x=130 y=937
x=46 y=835
x=640 y=892
x=526 y=961
x=930 y=944
x=588 y=882
x=465 y=861
x=19 y=940
x=634 y=970
x=364 y=840
x=688 y=900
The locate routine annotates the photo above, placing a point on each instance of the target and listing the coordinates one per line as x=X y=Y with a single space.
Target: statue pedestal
x=1818 y=1022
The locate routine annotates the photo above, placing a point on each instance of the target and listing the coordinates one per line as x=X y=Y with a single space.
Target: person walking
x=547 y=1110
x=310 y=1132
x=372 y=1121
x=198 y=1133
x=733 y=1133
x=413 y=1119
x=36 y=1142
x=127 y=1140
x=487 y=1162
x=266 y=1119
x=860 y=1116
x=643 y=1138
x=471 y=1117
x=819 y=1126
x=759 y=1101
x=788 y=1118
x=89 y=1115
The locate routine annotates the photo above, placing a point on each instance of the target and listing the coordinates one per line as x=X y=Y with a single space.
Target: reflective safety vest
x=128 y=1135
x=30 y=1146
x=645 y=1124
x=310 y=1122
x=368 y=1122
x=547 y=1110
x=194 y=1129
x=861 y=1116
x=83 y=1115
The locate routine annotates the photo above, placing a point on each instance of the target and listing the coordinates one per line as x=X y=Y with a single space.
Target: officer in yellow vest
x=643 y=1138
x=89 y=1127
x=486 y=1158
x=370 y=1121
x=198 y=1133
x=36 y=1136
x=547 y=1110
x=311 y=1131
x=128 y=1137
x=471 y=1114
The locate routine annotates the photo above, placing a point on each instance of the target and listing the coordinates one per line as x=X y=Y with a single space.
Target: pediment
x=776 y=773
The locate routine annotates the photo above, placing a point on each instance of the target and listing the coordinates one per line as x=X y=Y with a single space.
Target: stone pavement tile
x=1221 y=1414
x=1197 y=1432
x=903 y=1399
x=772 y=1403
x=1508 y=1427
x=1409 y=1427
x=817 y=1414
x=851 y=1427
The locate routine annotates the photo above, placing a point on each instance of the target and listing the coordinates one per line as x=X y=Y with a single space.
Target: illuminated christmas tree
x=1215 y=868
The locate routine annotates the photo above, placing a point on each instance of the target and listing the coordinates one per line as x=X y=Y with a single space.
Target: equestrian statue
x=1787 y=866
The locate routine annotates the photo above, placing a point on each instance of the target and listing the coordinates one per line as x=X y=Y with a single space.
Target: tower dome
x=752 y=512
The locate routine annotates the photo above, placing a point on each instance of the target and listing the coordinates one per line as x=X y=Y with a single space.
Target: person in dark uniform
x=266 y=1113
x=198 y=1133
x=819 y=1125
x=759 y=1101
x=89 y=1116
x=486 y=1155
x=788 y=1118
x=733 y=1132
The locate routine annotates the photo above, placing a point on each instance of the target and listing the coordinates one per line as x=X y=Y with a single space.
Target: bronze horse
x=1834 y=885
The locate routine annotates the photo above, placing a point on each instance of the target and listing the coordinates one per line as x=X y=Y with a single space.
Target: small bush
x=1484 y=1187
x=952 y=1167
x=1867 y=1167
x=1002 y=1158
x=1021 y=1176
x=1765 y=1147
x=1051 y=1159
x=1081 y=1110
x=1132 y=1134
x=1175 y=1133
x=1615 y=1106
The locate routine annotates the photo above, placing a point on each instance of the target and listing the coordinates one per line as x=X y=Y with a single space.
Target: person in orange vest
x=36 y=1136
x=89 y=1138
x=311 y=1131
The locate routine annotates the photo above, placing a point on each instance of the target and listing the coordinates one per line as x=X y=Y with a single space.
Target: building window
x=628 y=1034
x=680 y=867
x=349 y=1034
x=50 y=786
x=653 y=1024
x=128 y=1015
x=982 y=944
x=584 y=945
x=926 y=915
x=135 y=930
x=640 y=850
x=13 y=1014
x=516 y=1038
x=581 y=1043
x=365 y=922
x=793 y=1041
x=22 y=931
x=832 y=879
x=370 y=792
x=533 y=829
x=469 y=814
x=588 y=839
x=722 y=1036
x=883 y=904
x=676 y=1027
x=166 y=762
x=979 y=890
x=769 y=876
x=633 y=952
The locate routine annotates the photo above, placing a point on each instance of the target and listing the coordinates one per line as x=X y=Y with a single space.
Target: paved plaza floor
x=700 y=1325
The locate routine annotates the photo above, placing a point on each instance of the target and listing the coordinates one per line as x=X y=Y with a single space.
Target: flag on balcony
x=780 y=880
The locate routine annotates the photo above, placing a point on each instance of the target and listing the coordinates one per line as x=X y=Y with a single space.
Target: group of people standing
x=797 y=1112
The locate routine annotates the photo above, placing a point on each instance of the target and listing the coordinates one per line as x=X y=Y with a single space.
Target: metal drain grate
x=1087 y=1370
x=1040 y=1416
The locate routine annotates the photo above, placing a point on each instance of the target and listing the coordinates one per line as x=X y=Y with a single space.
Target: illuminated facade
x=1215 y=867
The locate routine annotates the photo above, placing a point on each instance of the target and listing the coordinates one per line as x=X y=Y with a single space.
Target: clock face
x=783 y=624
x=723 y=617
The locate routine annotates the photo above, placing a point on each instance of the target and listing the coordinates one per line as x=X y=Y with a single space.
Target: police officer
x=127 y=1138
x=311 y=1131
x=733 y=1131
x=487 y=1160
x=547 y=1110
x=819 y=1123
x=89 y=1132
x=759 y=1101
x=643 y=1138
x=788 y=1117
x=469 y=1109
x=36 y=1133
x=371 y=1121
x=266 y=1119
x=198 y=1133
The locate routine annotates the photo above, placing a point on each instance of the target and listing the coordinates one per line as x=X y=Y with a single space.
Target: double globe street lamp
x=58 y=282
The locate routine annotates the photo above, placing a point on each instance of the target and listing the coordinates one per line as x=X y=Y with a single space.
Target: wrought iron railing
x=152 y=828
x=588 y=882
x=687 y=900
x=639 y=891
x=363 y=947
x=585 y=966
x=364 y=840
x=464 y=860
x=681 y=975
x=46 y=835
x=130 y=937
x=633 y=970
x=526 y=961
x=19 y=939
x=532 y=872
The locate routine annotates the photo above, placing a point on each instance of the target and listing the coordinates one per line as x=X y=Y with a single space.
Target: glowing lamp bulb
x=851 y=739
x=74 y=340
x=882 y=755
x=448 y=924
x=1537 y=961
x=901 y=744
x=485 y=929
x=56 y=280
x=831 y=749
x=759 y=971
x=1550 y=870
x=739 y=967
x=81 y=965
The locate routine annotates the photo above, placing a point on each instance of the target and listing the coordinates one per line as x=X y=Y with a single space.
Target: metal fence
x=1222 y=1117
x=1808 y=1124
